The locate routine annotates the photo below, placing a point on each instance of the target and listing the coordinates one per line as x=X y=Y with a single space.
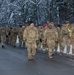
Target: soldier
x=59 y=36
x=40 y=32
x=11 y=36
x=73 y=40
x=3 y=36
x=14 y=37
x=23 y=43
x=31 y=36
x=8 y=34
x=44 y=44
x=50 y=37
x=20 y=36
x=66 y=37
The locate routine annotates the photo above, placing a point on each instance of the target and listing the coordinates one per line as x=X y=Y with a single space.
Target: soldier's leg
x=44 y=48
x=68 y=46
x=51 y=47
x=56 y=46
x=50 y=52
x=39 y=45
x=62 y=45
x=29 y=51
x=3 y=38
x=15 y=41
x=12 y=41
x=9 y=39
x=37 y=42
x=19 y=42
x=68 y=49
x=2 y=42
x=33 y=50
x=73 y=49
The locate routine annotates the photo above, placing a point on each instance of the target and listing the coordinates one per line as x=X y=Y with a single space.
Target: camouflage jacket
x=30 y=34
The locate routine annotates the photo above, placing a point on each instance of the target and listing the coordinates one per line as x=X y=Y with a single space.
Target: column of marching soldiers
x=33 y=37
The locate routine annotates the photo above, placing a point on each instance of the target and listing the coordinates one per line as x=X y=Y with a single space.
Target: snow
x=36 y=10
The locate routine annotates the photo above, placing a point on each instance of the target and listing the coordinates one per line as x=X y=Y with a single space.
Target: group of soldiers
x=9 y=35
x=48 y=36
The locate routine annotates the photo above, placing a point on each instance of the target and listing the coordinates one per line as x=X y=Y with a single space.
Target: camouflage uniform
x=24 y=43
x=8 y=34
x=14 y=37
x=66 y=38
x=40 y=32
x=3 y=36
x=44 y=44
x=59 y=38
x=50 y=37
x=31 y=36
x=73 y=40
x=11 y=37
x=20 y=36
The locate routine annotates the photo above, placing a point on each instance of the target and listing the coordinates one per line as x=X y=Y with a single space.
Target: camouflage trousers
x=9 y=39
x=3 y=39
x=56 y=46
x=21 y=41
x=65 y=42
x=73 y=46
x=39 y=42
x=51 y=47
x=14 y=40
x=31 y=49
x=44 y=47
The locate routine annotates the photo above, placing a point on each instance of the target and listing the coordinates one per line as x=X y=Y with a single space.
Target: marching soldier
x=59 y=37
x=8 y=34
x=31 y=36
x=14 y=37
x=44 y=44
x=20 y=36
x=24 y=43
x=40 y=32
x=73 y=40
x=66 y=37
x=3 y=36
x=50 y=37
